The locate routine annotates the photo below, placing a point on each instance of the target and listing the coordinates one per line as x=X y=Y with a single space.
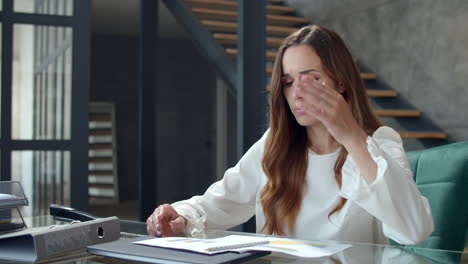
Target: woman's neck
x=320 y=140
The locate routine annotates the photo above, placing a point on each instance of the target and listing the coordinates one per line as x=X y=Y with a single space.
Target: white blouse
x=390 y=207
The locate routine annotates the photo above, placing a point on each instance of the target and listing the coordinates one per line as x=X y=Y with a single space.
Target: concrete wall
x=186 y=128
x=416 y=47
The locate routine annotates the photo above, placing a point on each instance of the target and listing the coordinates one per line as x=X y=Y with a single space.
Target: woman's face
x=298 y=62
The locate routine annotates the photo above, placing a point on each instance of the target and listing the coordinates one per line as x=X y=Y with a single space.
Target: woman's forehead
x=300 y=58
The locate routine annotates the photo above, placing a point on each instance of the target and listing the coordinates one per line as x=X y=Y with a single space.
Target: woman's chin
x=306 y=121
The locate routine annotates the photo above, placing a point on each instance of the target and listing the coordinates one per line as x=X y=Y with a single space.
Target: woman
x=326 y=168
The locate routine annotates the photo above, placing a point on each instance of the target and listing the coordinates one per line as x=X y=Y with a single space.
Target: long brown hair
x=285 y=158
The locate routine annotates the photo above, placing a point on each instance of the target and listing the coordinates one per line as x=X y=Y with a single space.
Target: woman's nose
x=296 y=90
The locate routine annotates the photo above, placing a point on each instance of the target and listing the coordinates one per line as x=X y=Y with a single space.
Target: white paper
x=304 y=249
x=207 y=246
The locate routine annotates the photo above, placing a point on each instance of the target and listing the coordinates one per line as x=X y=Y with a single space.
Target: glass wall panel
x=45 y=177
x=46 y=7
x=41 y=85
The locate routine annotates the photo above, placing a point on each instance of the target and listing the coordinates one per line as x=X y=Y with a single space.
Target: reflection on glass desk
x=358 y=253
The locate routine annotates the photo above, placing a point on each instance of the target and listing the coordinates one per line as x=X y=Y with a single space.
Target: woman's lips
x=299 y=110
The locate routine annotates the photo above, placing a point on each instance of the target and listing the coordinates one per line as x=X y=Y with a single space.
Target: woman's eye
x=286 y=84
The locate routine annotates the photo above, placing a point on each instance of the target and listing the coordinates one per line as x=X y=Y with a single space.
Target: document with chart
x=238 y=243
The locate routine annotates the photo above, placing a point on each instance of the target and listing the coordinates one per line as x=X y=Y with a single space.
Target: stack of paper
x=237 y=243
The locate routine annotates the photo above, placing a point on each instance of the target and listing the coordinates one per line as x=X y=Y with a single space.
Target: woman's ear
x=341 y=88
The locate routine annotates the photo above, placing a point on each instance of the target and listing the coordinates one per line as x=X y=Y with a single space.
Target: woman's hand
x=165 y=221
x=323 y=101
x=330 y=108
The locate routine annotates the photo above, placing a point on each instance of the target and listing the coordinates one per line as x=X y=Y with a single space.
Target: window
x=44 y=100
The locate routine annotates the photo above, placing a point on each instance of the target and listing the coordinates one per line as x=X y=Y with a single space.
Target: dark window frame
x=77 y=145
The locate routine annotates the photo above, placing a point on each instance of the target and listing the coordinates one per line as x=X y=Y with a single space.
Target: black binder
x=38 y=243
x=125 y=249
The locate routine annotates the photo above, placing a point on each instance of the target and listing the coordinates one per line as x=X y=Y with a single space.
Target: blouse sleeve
x=228 y=202
x=393 y=198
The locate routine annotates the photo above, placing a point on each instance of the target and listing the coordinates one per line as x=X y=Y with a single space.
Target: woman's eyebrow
x=307 y=71
x=301 y=72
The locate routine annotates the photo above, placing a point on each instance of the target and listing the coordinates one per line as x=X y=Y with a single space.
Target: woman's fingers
x=313 y=97
x=151 y=224
x=165 y=221
x=177 y=225
x=158 y=223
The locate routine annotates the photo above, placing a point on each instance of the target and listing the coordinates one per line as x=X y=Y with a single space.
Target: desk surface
x=358 y=253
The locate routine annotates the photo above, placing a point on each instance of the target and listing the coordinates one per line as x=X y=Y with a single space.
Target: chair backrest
x=441 y=174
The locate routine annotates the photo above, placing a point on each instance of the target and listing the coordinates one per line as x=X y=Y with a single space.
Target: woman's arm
x=392 y=197
x=228 y=202
x=357 y=149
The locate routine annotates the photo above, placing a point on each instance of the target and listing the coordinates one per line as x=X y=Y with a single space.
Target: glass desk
x=358 y=253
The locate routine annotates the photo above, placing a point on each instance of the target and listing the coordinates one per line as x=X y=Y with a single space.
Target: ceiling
x=122 y=17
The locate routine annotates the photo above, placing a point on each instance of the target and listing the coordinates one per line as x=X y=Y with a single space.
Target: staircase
x=219 y=17
x=102 y=164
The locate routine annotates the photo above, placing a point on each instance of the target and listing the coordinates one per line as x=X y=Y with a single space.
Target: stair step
x=233 y=52
x=364 y=75
x=368 y=76
x=232 y=6
x=101 y=172
x=397 y=112
x=100 y=160
x=100 y=146
x=206 y=13
x=381 y=93
x=223 y=26
x=96 y=179
x=100 y=117
x=431 y=135
x=101 y=191
x=225 y=38
x=100 y=132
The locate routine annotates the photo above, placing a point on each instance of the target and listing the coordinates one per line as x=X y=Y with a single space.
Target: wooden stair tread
x=368 y=76
x=225 y=38
x=397 y=112
x=232 y=5
x=422 y=134
x=100 y=172
x=102 y=185
x=100 y=146
x=100 y=160
x=100 y=131
x=231 y=27
x=100 y=117
x=381 y=93
x=206 y=13
x=233 y=52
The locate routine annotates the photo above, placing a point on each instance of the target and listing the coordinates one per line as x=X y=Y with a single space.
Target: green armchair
x=441 y=174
